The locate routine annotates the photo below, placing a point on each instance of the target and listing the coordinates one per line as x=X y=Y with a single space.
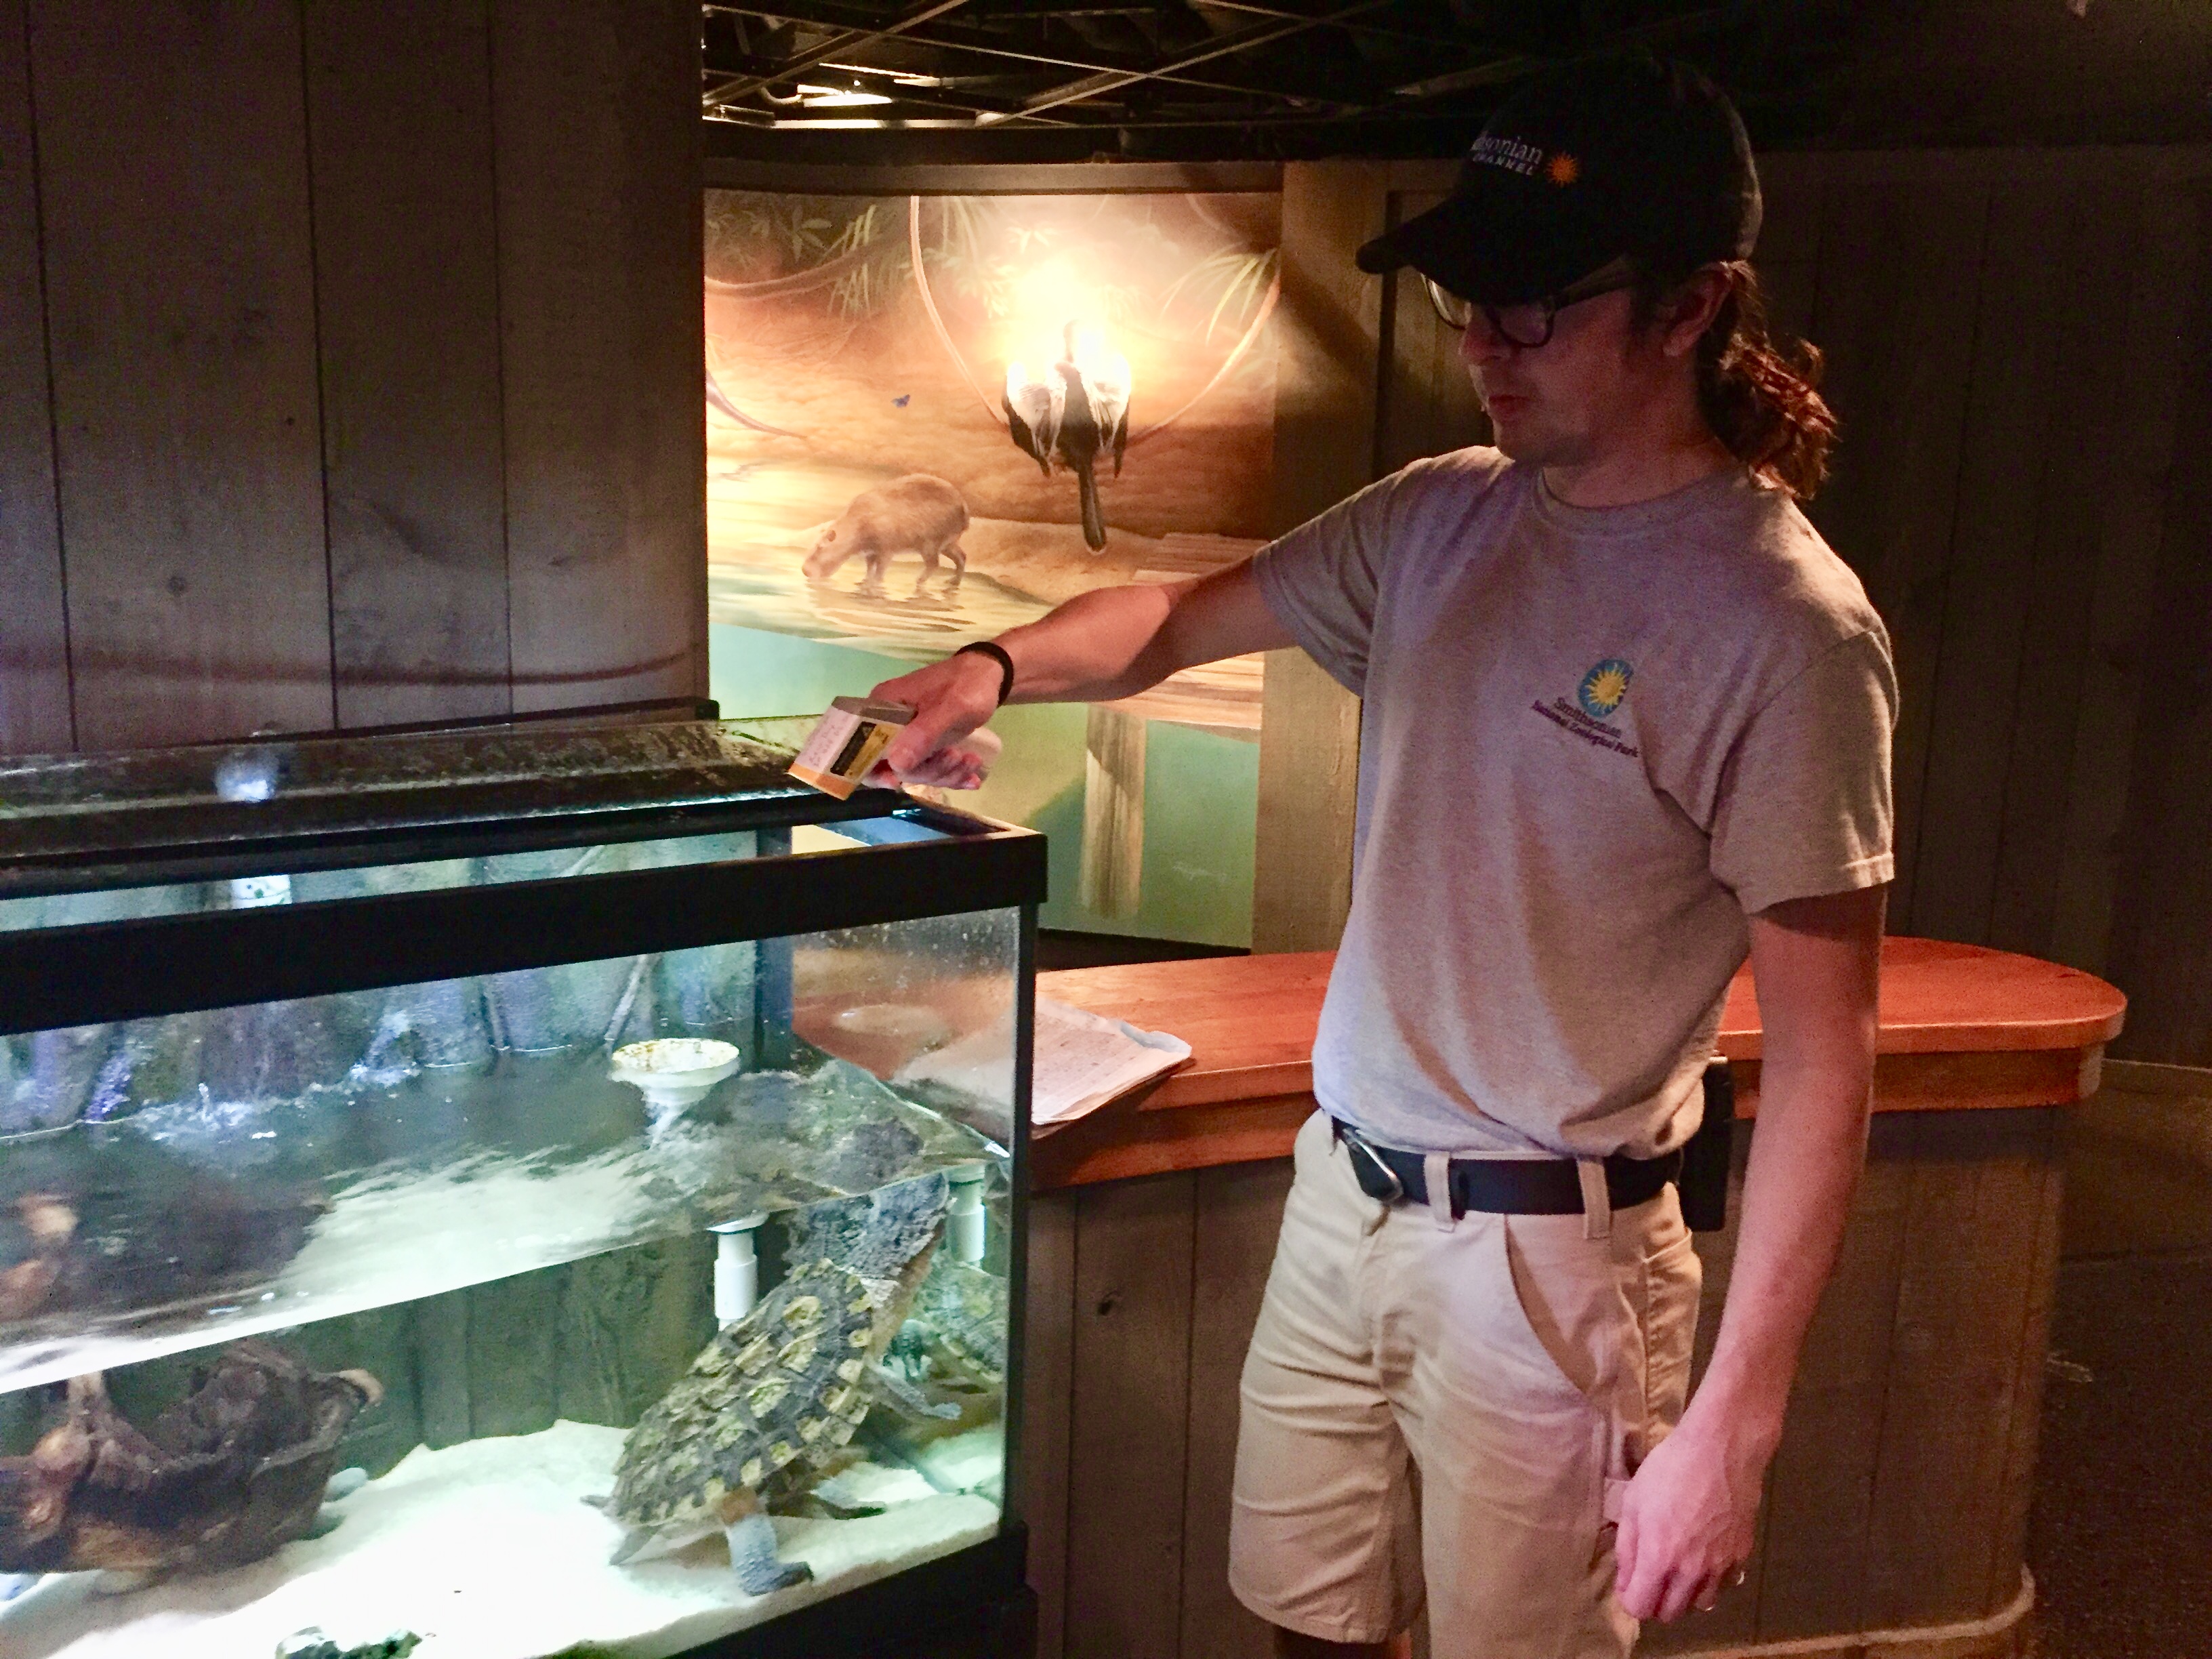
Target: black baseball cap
x=1594 y=160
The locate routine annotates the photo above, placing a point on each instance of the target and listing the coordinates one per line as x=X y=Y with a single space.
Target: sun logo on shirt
x=1605 y=687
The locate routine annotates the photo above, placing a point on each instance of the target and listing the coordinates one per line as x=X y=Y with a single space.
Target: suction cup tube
x=968 y=1227
x=736 y=1268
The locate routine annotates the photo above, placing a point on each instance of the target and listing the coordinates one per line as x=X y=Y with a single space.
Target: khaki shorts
x=1454 y=1409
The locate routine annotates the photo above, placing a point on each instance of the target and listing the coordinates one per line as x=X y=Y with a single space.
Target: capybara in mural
x=919 y=513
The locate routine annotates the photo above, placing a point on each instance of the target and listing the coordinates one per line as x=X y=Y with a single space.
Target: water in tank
x=607 y=1305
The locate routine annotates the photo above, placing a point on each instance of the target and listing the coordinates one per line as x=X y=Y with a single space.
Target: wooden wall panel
x=179 y=290
x=34 y=701
x=1047 y=1396
x=2031 y=383
x=1238 y=1212
x=1127 y=1451
x=2098 y=236
x=1895 y=313
x=604 y=360
x=2161 y=945
x=2146 y=441
x=1329 y=335
x=407 y=289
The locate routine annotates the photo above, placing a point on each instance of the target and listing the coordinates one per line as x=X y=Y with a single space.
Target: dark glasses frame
x=1528 y=324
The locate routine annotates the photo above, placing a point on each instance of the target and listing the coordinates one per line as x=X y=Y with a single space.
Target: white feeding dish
x=674 y=1072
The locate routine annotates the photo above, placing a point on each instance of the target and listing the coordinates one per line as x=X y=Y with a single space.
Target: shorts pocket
x=1673 y=1278
x=1616 y=1494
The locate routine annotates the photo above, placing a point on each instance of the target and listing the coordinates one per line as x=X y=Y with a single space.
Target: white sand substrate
x=487 y=1551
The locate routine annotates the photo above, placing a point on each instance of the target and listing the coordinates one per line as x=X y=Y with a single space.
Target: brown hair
x=1756 y=395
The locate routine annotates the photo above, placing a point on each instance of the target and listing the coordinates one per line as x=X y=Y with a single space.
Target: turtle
x=238 y=1468
x=774 y=1400
x=958 y=1329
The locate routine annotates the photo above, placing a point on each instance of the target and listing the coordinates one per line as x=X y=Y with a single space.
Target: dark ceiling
x=1069 y=80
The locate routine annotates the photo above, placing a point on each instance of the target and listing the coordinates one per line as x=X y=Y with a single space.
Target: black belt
x=1503 y=1186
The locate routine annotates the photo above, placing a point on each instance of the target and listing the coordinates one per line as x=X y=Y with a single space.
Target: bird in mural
x=1074 y=417
x=1033 y=411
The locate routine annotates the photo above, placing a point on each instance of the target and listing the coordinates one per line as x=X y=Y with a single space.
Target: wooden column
x=1329 y=332
x=34 y=701
x=595 y=110
x=1111 y=880
x=407 y=290
x=172 y=159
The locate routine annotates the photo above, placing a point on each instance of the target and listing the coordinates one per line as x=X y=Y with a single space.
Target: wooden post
x=186 y=409
x=1329 y=333
x=1113 y=868
x=407 y=302
x=597 y=139
x=35 y=697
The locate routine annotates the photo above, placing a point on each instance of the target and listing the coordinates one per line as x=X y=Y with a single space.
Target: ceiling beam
x=825 y=13
x=848 y=40
x=1259 y=35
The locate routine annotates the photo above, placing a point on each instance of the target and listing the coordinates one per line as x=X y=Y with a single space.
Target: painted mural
x=931 y=418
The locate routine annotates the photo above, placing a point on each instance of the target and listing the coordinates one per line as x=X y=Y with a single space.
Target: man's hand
x=1688 y=1522
x=944 y=746
x=1686 y=1519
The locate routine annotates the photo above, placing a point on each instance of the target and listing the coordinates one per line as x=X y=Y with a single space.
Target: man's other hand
x=1687 y=1522
x=945 y=745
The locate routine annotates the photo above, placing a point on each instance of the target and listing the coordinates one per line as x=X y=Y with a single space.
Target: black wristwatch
x=997 y=653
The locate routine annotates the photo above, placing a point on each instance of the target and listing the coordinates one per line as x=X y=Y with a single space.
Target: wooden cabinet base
x=1896 y=1512
x=2001 y=1636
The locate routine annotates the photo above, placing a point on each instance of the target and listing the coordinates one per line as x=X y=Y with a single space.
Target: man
x=1626 y=719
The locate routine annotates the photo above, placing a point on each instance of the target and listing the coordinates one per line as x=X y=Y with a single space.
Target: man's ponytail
x=1757 y=397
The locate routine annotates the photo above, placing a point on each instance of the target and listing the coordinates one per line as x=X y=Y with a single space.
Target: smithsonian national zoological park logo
x=1601 y=693
x=1604 y=686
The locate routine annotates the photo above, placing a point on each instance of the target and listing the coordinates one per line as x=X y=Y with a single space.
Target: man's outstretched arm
x=1112 y=642
x=1687 y=1522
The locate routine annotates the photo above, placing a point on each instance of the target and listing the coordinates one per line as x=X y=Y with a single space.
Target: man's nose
x=1480 y=343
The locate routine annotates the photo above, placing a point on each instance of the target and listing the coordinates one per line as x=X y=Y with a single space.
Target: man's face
x=1562 y=404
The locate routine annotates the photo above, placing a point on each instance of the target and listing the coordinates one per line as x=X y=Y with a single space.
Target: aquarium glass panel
x=606 y=1306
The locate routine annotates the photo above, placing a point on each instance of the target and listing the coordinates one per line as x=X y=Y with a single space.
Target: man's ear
x=1688 y=312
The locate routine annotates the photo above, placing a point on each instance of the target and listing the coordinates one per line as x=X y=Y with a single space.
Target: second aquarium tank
x=498 y=1195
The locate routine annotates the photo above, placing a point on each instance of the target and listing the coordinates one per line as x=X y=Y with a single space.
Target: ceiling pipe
x=742 y=86
x=1243 y=41
x=962 y=39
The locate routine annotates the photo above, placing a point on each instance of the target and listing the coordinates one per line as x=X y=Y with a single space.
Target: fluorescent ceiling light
x=838 y=97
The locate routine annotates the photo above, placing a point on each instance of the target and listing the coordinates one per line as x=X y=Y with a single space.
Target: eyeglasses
x=1528 y=324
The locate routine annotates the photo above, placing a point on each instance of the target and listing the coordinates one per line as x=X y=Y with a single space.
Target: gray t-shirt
x=1593 y=740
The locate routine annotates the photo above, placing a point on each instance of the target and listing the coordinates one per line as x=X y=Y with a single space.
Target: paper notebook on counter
x=1085 y=1060
x=1082 y=1061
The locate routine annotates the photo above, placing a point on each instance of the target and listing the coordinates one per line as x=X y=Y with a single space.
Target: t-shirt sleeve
x=1804 y=806
x=1322 y=581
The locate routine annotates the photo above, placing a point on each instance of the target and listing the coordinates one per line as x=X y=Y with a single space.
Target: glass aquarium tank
x=499 y=1194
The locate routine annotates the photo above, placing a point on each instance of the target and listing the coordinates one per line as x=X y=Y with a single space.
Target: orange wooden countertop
x=1960 y=1027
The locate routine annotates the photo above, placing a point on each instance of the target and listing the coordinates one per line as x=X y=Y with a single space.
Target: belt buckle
x=1352 y=1139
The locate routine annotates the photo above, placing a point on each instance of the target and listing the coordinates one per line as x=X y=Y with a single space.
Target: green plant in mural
x=964 y=251
x=755 y=236
x=871 y=285
x=741 y=225
x=1237 y=280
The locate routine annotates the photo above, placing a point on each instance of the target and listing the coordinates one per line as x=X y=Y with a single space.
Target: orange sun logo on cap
x=1563 y=169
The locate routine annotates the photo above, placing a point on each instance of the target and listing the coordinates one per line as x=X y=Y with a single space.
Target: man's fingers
x=928 y=732
x=1684 y=1591
x=1625 y=1541
x=1645 y=1592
